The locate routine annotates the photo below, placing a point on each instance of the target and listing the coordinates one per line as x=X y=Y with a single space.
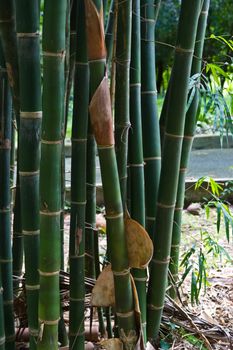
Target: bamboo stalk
x=5 y=204
x=136 y=165
x=150 y=121
x=101 y=119
x=29 y=150
x=9 y=44
x=78 y=186
x=2 y=326
x=50 y=171
x=170 y=164
x=109 y=30
x=189 y=131
x=122 y=119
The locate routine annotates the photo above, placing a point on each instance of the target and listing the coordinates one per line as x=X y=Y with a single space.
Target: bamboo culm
x=170 y=163
x=101 y=120
x=189 y=131
x=5 y=206
x=53 y=44
x=27 y=19
x=136 y=164
x=122 y=118
x=150 y=120
x=78 y=186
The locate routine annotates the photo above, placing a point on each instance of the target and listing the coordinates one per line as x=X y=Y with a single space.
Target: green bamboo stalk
x=170 y=164
x=5 y=204
x=17 y=245
x=78 y=186
x=101 y=119
x=50 y=171
x=29 y=150
x=9 y=44
x=109 y=30
x=91 y=204
x=2 y=328
x=136 y=165
x=150 y=121
x=189 y=131
x=122 y=119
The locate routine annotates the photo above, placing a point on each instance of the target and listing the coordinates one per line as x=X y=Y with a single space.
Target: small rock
x=194 y=209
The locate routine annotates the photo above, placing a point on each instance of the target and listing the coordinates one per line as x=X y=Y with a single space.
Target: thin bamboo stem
x=122 y=118
x=78 y=186
x=5 y=204
x=150 y=120
x=136 y=164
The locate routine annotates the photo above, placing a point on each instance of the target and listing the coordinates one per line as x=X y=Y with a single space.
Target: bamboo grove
x=98 y=59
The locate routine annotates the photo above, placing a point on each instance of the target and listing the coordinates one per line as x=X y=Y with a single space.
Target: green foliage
x=195 y=263
x=222 y=208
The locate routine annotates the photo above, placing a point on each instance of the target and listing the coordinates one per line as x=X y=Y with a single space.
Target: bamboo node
x=32 y=287
x=77 y=299
x=114 y=216
x=140 y=279
x=155 y=308
x=204 y=13
x=49 y=274
x=135 y=84
x=98 y=60
x=47 y=142
x=188 y=137
x=125 y=314
x=150 y=218
x=175 y=246
x=28 y=35
x=168 y=206
x=60 y=54
x=178 y=208
x=49 y=322
x=31 y=115
x=78 y=63
x=78 y=203
x=31 y=233
x=180 y=49
x=8 y=302
x=1 y=290
x=100 y=147
x=6 y=261
x=146 y=159
x=78 y=140
x=77 y=256
x=51 y=213
x=121 y=273
x=173 y=135
x=136 y=165
x=183 y=170
x=152 y=92
x=2 y=340
x=161 y=262
x=29 y=173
